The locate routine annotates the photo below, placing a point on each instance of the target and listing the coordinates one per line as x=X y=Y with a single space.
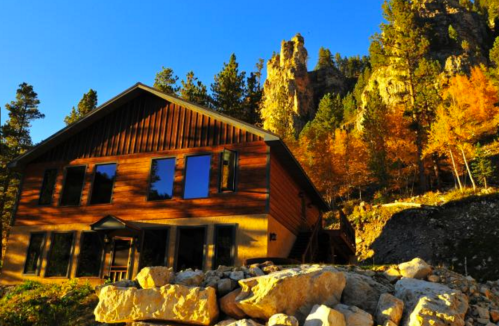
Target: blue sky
x=64 y=48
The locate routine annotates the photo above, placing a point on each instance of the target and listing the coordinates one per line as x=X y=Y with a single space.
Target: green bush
x=36 y=304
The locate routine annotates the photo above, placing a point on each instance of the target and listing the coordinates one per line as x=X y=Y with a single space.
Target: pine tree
x=482 y=166
x=86 y=104
x=228 y=90
x=166 y=81
x=402 y=45
x=374 y=135
x=329 y=113
x=194 y=90
x=15 y=140
x=254 y=93
x=325 y=59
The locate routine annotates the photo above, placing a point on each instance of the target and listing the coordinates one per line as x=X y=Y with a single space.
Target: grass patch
x=35 y=304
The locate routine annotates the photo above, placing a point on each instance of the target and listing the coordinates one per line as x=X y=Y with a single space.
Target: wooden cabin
x=148 y=179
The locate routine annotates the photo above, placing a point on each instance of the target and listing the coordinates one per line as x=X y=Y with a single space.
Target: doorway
x=120 y=259
x=190 y=248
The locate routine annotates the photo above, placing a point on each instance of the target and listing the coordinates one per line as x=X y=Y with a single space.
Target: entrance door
x=121 y=259
x=190 y=248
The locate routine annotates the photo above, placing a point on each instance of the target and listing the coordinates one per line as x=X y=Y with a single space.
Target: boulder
x=152 y=277
x=229 y=305
x=416 y=268
x=256 y=271
x=237 y=275
x=363 y=292
x=355 y=316
x=175 y=303
x=431 y=303
x=292 y=291
x=282 y=320
x=244 y=322
x=225 y=322
x=225 y=286
x=389 y=308
x=190 y=278
x=322 y=315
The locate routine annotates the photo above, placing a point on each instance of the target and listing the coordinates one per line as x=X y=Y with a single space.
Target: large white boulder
x=151 y=277
x=431 y=303
x=282 y=320
x=293 y=291
x=363 y=292
x=190 y=278
x=355 y=316
x=322 y=315
x=389 y=308
x=416 y=268
x=175 y=303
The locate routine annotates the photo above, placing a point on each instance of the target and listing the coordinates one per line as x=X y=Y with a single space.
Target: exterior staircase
x=300 y=245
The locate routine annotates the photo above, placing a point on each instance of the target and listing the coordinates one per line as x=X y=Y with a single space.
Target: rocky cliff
x=291 y=88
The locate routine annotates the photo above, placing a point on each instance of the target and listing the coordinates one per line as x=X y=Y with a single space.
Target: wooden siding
x=147 y=124
x=285 y=201
x=131 y=186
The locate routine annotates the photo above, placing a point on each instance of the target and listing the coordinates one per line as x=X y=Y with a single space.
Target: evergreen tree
x=403 y=45
x=329 y=113
x=254 y=93
x=166 y=81
x=482 y=166
x=15 y=140
x=86 y=104
x=194 y=90
x=228 y=90
x=374 y=134
x=325 y=59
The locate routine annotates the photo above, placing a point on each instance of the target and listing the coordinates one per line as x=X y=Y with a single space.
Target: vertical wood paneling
x=147 y=124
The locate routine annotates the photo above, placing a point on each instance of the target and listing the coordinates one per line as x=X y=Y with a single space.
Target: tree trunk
x=436 y=170
x=3 y=199
x=455 y=170
x=468 y=169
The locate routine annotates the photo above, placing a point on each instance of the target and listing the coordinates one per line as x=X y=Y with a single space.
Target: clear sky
x=64 y=48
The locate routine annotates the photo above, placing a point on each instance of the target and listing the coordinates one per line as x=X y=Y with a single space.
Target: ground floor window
x=59 y=256
x=154 y=250
x=34 y=254
x=90 y=258
x=191 y=242
x=225 y=240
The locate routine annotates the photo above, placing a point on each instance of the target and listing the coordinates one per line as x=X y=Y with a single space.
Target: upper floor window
x=48 y=186
x=228 y=166
x=197 y=176
x=73 y=185
x=102 y=188
x=162 y=176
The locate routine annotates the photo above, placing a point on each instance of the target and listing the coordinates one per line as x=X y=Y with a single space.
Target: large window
x=225 y=237
x=162 y=176
x=197 y=176
x=34 y=254
x=154 y=248
x=102 y=188
x=73 y=185
x=90 y=258
x=59 y=255
x=48 y=185
x=228 y=166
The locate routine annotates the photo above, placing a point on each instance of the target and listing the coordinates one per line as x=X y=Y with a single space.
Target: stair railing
x=347 y=228
x=313 y=243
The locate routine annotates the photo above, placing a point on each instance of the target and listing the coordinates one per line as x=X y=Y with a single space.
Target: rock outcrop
x=293 y=292
x=174 y=303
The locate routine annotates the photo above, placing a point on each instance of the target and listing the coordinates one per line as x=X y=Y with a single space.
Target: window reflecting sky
x=197 y=178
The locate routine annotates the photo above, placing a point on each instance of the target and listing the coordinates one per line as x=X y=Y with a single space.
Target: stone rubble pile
x=410 y=294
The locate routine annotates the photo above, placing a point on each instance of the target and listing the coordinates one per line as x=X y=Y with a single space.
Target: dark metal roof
x=138 y=89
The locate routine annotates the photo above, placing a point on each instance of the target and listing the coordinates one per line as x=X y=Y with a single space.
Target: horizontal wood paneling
x=131 y=186
x=285 y=202
x=147 y=124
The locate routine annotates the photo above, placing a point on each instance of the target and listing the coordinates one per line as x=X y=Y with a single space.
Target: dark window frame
x=71 y=254
x=177 y=241
x=236 y=172
x=91 y=190
x=150 y=175
x=103 y=256
x=167 y=249
x=233 y=253
x=185 y=174
x=64 y=184
x=53 y=188
x=40 y=259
